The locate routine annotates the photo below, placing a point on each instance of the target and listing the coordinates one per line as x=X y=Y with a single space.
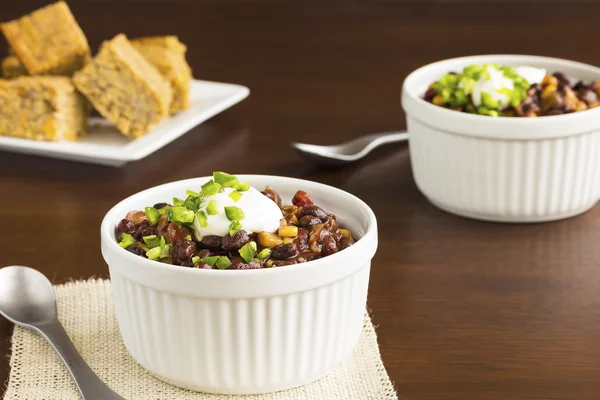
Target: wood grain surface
x=464 y=309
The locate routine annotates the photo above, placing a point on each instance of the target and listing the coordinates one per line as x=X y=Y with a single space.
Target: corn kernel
x=345 y=232
x=266 y=239
x=293 y=219
x=581 y=106
x=289 y=209
x=269 y=263
x=287 y=240
x=438 y=100
x=288 y=231
x=549 y=80
x=548 y=91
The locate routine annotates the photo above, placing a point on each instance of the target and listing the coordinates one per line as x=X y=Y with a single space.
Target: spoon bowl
x=26 y=296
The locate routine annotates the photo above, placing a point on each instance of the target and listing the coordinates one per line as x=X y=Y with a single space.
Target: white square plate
x=105 y=145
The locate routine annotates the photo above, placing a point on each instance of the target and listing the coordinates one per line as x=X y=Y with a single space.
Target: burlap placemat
x=86 y=310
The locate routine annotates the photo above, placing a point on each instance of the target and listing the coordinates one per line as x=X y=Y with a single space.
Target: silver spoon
x=344 y=153
x=27 y=299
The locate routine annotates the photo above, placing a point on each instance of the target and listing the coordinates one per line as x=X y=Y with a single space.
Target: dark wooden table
x=464 y=309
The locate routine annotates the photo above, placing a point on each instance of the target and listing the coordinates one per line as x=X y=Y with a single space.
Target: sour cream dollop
x=491 y=86
x=531 y=74
x=260 y=214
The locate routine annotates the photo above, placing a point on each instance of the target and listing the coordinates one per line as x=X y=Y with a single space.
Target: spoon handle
x=88 y=383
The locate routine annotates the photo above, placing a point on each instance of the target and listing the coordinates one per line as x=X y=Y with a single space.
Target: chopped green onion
x=202 y=219
x=242 y=186
x=263 y=254
x=191 y=193
x=180 y=214
x=225 y=179
x=235 y=196
x=154 y=253
x=248 y=251
x=164 y=210
x=210 y=260
x=234 y=213
x=210 y=188
x=195 y=259
x=126 y=240
x=211 y=208
x=152 y=214
x=234 y=227
x=188 y=237
x=177 y=202
x=223 y=262
x=151 y=241
x=488 y=101
x=192 y=203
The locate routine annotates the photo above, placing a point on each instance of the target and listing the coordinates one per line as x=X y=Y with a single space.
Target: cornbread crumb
x=48 y=41
x=124 y=87
x=12 y=67
x=167 y=54
x=41 y=108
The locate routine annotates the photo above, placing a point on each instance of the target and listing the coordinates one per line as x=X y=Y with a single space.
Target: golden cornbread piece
x=12 y=67
x=167 y=54
x=41 y=108
x=124 y=87
x=48 y=41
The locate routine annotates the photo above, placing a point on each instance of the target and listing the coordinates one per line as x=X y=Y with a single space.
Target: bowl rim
x=360 y=247
x=485 y=126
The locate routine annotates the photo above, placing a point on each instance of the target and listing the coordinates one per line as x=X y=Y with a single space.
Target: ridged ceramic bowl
x=243 y=331
x=503 y=169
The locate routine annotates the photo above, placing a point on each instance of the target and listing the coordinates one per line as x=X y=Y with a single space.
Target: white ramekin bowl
x=503 y=169
x=243 y=332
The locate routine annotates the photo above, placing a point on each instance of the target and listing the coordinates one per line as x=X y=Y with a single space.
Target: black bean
x=429 y=94
x=312 y=210
x=309 y=221
x=212 y=242
x=236 y=241
x=284 y=251
x=143 y=229
x=587 y=95
x=273 y=195
x=562 y=80
x=158 y=206
x=137 y=250
x=201 y=265
x=204 y=253
x=183 y=252
x=125 y=226
x=345 y=241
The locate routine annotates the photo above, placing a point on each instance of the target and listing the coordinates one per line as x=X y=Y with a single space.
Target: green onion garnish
x=180 y=214
x=193 y=203
x=223 y=262
x=195 y=259
x=188 y=237
x=235 y=196
x=191 y=193
x=210 y=260
x=126 y=240
x=263 y=254
x=242 y=186
x=202 y=219
x=154 y=253
x=234 y=227
x=152 y=241
x=234 y=213
x=164 y=210
x=152 y=214
x=177 y=202
x=248 y=251
x=211 y=208
x=210 y=188
x=225 y=179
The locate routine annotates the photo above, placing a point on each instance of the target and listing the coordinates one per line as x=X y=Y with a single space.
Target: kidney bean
x=309 y=221
x=176 y=233
x=301 y=240
x=201 y=265
x=183 y=252
x=125 y=226
x=143 y=229
x=329 y=246
x=204 y=253
x=345 y=241
x=273 y=195
x=284 y=251
x=235 y=242
x=302 y=199
x=158 y=206
x=163 y=225
x=314 y=211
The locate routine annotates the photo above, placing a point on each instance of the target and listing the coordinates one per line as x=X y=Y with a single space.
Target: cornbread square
x=167 y=54
x=124 y=87
x=48 y=41
x=12 y=67
x=41 y=108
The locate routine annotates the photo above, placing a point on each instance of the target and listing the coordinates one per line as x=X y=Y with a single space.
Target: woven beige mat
x=86 y=310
